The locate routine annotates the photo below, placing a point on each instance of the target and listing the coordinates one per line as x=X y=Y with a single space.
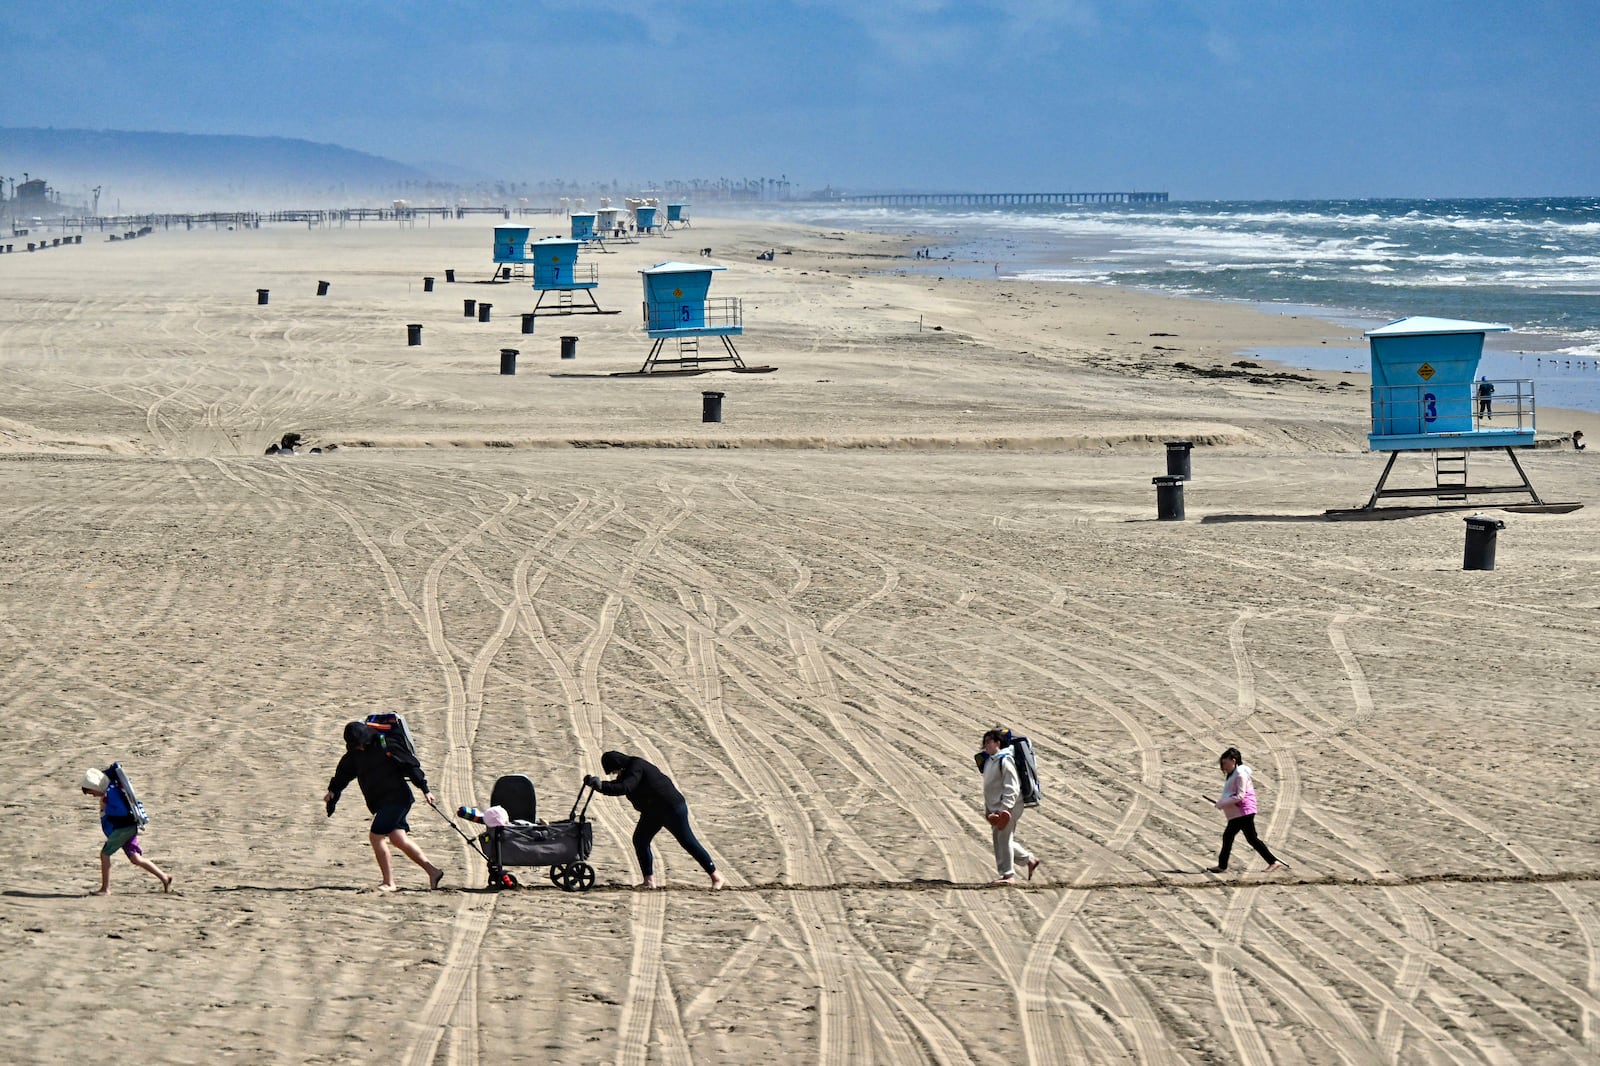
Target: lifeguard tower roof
x=1424 y=326
x=680 y=268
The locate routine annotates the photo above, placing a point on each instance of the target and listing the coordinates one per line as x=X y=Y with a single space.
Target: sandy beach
x=935 y=516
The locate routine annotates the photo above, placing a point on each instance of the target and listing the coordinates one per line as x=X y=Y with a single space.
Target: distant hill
x=193 y=171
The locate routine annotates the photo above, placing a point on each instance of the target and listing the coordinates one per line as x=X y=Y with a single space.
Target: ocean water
x=1532 y=264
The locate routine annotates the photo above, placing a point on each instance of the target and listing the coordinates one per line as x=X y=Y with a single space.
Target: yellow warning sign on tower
x=1425 y=371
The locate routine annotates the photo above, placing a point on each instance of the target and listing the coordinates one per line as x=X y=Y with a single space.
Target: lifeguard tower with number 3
x=678 y=307
x=556 y=270
x=1428 y=396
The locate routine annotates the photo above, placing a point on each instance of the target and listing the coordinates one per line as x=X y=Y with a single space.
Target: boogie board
x=120 y=776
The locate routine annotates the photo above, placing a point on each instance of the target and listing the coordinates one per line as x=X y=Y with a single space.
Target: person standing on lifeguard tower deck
x=1485 y=397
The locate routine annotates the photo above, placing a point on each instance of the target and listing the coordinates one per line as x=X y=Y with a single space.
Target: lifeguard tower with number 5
x=1428 y=396
x=678 y=307
x=556 y=269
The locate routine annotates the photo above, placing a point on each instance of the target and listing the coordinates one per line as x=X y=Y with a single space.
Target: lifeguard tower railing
x=584 y=276
x=715 y=315
x=1416 y=417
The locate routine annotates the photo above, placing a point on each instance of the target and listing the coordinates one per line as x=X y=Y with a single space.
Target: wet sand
x=935 y=516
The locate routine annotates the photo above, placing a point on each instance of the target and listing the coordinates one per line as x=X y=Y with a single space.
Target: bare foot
x=1275 y=867
x=386 y=887
x=717 y=880
x=648 y=883
x=1033 y=864
x=1009 y=879
x=166 y=883
x=435 y=875
x=101 y=892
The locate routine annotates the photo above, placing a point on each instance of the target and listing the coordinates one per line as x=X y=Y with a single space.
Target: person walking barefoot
x=1238 y=803
x=121 y=828
x=660 y=806
x=385 y=775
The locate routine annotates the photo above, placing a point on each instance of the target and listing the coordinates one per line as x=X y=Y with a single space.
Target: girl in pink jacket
x=1238 y=802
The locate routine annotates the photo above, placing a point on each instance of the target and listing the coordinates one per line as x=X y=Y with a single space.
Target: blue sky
x=1249 y=99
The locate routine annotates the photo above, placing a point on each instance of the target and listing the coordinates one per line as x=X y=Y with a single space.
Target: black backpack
x=394 y=732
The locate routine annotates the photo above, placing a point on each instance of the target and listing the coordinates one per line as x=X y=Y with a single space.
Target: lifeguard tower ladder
x=1427 y=396
x=556 y=269
x=677 y=308
x=677 y=215
x=511 y=252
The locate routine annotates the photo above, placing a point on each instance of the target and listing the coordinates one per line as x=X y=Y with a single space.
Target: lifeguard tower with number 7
x=556 y=269
x=1427 y=396
x=678 y=307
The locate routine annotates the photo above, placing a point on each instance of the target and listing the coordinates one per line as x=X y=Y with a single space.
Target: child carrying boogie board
x=121 y=818
x=385 y=771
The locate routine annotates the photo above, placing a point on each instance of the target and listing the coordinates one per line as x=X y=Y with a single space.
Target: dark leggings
x=676 y=822
x=1246 y=824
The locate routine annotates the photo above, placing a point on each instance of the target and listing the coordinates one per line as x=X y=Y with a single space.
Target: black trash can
x=711 y=406
x=1169 y=497
x=469 y=308
x=483 y=312
x=450 y=275
x=569 y=347
x=261 y=296
x=322 y=288
x=1481 y=534
x=1178 y=458
x=505 y=272
x=508 y=360
x=427 y=284
x=527 y=321
x=414 y=334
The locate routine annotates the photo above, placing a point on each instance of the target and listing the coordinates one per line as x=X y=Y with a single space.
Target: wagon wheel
x=579 y=877
x=507 y=881
x=556 y=873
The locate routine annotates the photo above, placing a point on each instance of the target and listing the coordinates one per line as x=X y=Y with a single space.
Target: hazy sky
x=1219 y=99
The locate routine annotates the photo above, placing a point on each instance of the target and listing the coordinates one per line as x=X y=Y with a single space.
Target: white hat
x=95 y=781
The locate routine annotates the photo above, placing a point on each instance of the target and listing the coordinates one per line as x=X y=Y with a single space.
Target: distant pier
x=912 y=199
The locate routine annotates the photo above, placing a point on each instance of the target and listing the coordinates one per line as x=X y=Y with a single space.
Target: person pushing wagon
x=660 y=806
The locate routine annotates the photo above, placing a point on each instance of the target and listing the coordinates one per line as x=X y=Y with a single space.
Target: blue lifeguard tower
x=1427 y=396
x=677 y=215
x=583 y=226
x=644 y=218
x=511 y=252
x=678 y=307
x=556 y=269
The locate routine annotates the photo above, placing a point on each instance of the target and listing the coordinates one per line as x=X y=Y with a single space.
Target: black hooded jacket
x=647 y=788
x=381 y=769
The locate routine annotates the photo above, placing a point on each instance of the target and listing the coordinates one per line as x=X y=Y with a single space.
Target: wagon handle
x=585 y=794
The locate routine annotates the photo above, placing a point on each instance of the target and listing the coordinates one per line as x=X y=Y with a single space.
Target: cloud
x=924 y=33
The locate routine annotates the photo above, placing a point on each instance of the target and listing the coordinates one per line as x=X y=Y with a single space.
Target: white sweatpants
x=1007 y=850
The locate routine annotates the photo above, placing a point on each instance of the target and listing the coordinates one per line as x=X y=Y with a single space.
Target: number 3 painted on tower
x=1430 y=407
